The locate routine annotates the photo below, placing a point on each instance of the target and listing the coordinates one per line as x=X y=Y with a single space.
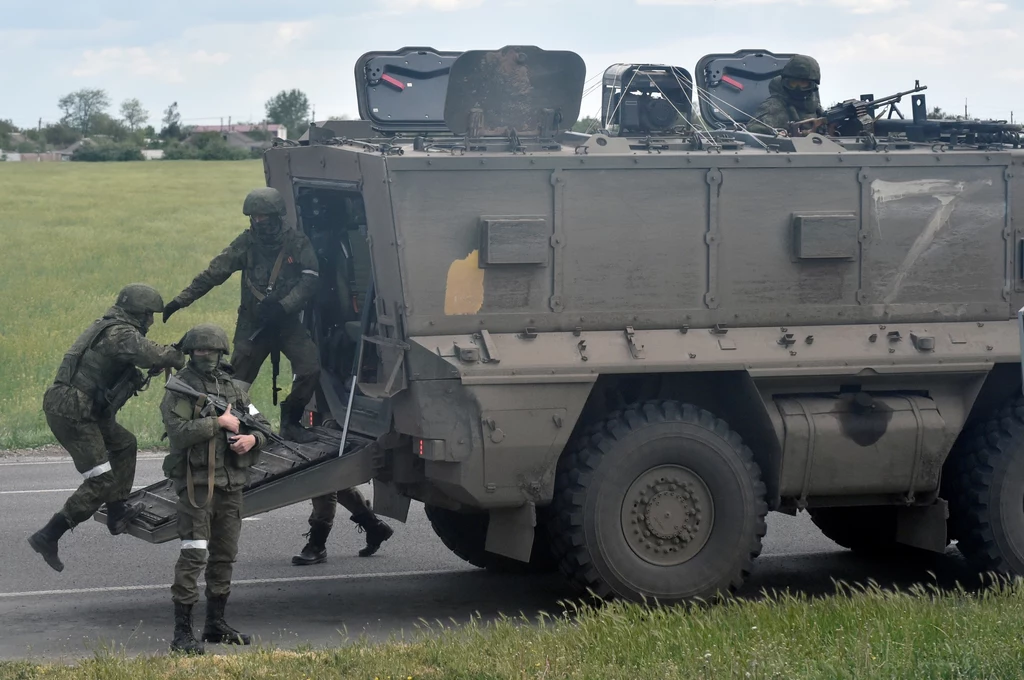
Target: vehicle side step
x=285 y=475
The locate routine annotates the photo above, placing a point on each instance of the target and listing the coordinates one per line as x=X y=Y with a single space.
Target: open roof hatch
x=518 y=89
x=645 y=98
x=730 y=87
x=404 y=90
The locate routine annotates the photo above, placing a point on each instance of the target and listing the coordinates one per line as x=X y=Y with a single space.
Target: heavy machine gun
x=858 y=117
x=854 y=116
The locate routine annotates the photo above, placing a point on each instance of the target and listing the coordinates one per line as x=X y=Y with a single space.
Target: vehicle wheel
x=870 y=530
x=984 y=480
x=659 y=501
x=465 y=534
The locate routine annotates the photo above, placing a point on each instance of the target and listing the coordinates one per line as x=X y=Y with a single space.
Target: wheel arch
x=730 y=395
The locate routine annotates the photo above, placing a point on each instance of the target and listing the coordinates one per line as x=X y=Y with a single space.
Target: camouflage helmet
x=138 y=298
x=205 y=336
x=264 y=201
x=802 y=67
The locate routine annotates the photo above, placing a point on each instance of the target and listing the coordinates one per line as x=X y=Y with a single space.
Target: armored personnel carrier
x=616 y=352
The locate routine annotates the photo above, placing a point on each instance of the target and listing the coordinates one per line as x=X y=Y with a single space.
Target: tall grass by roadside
x=863 y=633
x=74 y=234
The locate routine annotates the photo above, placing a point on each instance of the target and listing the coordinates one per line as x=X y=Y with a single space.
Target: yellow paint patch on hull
x=464 y=289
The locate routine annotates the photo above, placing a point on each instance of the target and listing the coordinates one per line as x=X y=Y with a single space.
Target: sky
x=222 y=59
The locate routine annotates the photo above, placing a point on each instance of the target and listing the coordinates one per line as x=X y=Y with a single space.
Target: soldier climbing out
x=794 y=97
x=209 y=460
x=279 y=276
x=96 y=377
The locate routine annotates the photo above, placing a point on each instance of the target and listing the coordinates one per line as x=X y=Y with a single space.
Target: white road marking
x=4 y=493
x=67 y=460
x=239 y=582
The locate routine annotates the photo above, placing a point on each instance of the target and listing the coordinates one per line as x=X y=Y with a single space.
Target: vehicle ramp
x=287 y=473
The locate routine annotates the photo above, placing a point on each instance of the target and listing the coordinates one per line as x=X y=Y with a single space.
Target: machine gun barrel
x=894 y=98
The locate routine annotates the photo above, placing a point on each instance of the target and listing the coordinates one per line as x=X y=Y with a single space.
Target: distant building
x=49 y=157
x=273 y=128
x=152 y=154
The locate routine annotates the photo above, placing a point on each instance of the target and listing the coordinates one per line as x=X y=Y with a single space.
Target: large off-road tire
x=867 y=530
x=661 y=500
x=984 y=484
x=465 y=533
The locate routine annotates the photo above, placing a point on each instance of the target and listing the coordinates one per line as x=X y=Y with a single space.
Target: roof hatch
x=404 y=90
x=519 y=88
x=730 y=87
x=646 y=98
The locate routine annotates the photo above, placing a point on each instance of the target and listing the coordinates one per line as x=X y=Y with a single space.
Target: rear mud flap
x=283 y=476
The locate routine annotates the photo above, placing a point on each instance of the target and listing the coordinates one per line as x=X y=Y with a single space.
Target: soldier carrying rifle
x=215 y=435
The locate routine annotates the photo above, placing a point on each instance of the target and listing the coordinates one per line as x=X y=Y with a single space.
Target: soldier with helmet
x=794 y=97
x=209 y=461
x=279 y=276
x=280 y=273
x=96 y=377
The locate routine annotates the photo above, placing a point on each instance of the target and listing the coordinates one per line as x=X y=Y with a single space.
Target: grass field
x=73 y=234
x=863 y=634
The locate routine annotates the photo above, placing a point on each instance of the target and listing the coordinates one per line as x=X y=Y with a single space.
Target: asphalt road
x=115 y=591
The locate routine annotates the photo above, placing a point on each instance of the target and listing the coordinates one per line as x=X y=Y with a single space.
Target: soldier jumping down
x=95 y=379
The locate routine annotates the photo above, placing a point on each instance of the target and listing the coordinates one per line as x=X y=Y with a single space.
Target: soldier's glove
x=170 y=308
x=271 y=311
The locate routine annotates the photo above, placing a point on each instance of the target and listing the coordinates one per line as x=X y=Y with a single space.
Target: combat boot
x=184 y=639
x=376 y=531
x=315 y=550
x=45 y=540
x=291 y=427
x=120 y=514
x=217 y=629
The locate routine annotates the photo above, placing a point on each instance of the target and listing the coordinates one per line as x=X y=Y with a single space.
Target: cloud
x=204 y=57
x=291 y=31
x=131 y=61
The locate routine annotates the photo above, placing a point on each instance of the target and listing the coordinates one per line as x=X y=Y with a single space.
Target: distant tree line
x=122 y=136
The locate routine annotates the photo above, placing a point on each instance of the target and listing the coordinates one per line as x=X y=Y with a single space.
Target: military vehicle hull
x=842 y=314
x=614 y=355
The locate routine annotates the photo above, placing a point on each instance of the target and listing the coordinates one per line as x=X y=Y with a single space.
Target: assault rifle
x=852 y=117
x=215 y=406
x=131 y=382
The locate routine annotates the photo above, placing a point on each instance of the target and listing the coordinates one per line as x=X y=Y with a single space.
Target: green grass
x=867 y=633
x=73 y=234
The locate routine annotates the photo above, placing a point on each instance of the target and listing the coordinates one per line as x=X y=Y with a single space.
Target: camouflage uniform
x=209 y=520
x=97 y=375
x=785 y=104
x=280 y=273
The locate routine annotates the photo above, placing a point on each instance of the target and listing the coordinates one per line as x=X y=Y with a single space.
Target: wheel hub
x=667 y=515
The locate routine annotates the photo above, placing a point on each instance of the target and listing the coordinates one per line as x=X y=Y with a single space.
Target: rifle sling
x=211 y=463
x=274 y=273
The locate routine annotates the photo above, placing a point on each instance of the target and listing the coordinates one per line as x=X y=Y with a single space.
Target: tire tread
x=566 y=525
